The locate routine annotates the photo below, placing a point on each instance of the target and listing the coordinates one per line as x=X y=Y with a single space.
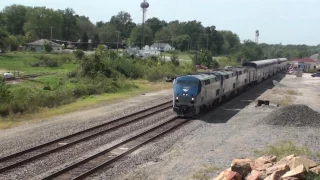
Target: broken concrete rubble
x=242 y=166
x=267 y=168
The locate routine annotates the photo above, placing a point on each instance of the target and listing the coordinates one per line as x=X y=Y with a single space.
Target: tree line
x=22 y=24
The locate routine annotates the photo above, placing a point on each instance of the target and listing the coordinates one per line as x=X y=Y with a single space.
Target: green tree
x=216 y=40
x=249 y=51
x=231 y=41
x=182 y=43
x=193 y=29
x=84 y=40
x=69 y=26
x=123 y=22
x=108 y=33
x=3 y=36
x=15 y=16
x=85 y=26
x=99 y=24
x=204 y=58
x=96 y=40
x=164 y=35
x=13 y=42
x=155 y=24
x=135 y=36
x=39 y=21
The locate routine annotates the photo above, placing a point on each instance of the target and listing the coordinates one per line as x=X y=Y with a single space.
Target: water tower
x=257 y=37
x=144 y=5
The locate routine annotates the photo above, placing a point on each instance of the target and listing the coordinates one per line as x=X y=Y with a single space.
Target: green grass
x=283 y=149
x=82 y=103
x=182 y=56
x=22 y=62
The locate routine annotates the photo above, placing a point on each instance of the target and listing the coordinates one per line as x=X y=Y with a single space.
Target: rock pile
x=267 y=168
x=293 y=115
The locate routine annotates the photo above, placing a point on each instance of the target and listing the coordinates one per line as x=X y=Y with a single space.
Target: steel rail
x=56 y=147
x=174 y=123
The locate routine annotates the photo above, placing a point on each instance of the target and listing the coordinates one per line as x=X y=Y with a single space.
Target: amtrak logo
x=185 y=89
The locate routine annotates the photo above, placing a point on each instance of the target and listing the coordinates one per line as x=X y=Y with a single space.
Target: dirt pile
x=293 y=115
x=267 y=168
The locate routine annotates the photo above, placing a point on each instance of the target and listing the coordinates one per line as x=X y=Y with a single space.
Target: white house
x=144 y=53
x=38 y=45
x=162 y=47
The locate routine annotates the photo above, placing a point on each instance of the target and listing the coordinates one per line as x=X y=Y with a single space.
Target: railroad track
x=26 y=156
x=91 y=165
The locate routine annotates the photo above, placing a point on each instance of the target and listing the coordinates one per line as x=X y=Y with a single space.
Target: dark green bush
x=5 y=94
x=79 y=54
x=175 y=59
x=46 y=61
x=47 y=47
x=47 y=88
x=65 y=59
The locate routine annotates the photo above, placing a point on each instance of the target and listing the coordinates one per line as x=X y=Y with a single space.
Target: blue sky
x=279 y=21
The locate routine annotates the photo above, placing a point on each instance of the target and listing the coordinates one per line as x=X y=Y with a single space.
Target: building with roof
x=38 y=46
x=162 y=47
x=316 y=57
x=143 y=53
x=306 y=64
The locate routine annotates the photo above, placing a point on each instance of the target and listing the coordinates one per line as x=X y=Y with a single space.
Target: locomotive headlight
x=192 y=99
x=177 y=98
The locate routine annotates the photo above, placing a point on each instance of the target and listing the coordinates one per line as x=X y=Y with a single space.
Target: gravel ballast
x=70 y=154
x=234 y=130
x=42 y=131
x=294 y=115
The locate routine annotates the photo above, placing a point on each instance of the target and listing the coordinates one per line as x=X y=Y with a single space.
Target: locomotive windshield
x=188 y=82
x=189 y=85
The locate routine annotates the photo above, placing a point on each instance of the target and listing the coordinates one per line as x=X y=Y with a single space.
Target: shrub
x=129 y=69
x=47 y=88
x=156 y=74
x=175 y=59
x=79 y=54
x=154 y=58
x=46 y=61
x=13 y=42
x=65 y=59
x=5 y=94
x=47 y=46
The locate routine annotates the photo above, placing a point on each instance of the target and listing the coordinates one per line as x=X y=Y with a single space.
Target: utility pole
x=197 y=53
x=118 y=40
x=51 y=33
x=207 y=43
